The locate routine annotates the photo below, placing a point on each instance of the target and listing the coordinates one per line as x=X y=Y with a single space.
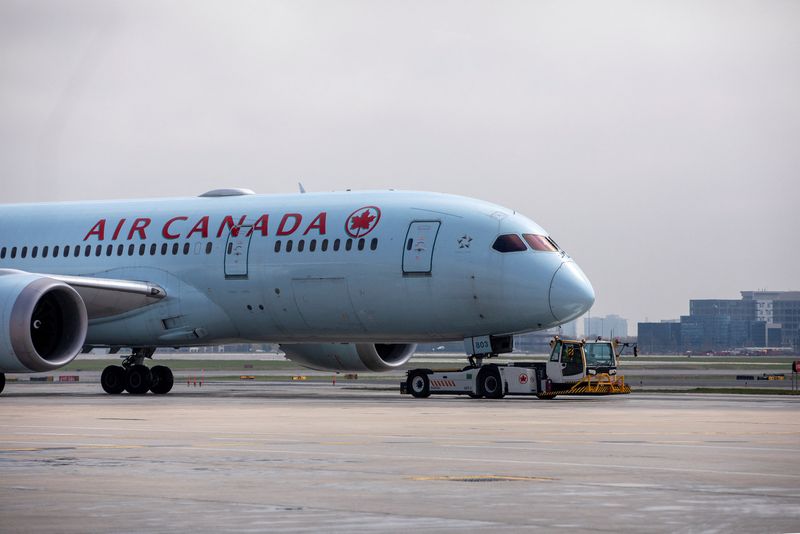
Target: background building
x=760 y=319
x=608 y=326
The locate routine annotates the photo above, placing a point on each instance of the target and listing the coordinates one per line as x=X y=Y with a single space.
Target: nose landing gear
x=135 y=377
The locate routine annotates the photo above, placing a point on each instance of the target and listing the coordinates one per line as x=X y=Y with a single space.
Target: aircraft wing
x=105 y=297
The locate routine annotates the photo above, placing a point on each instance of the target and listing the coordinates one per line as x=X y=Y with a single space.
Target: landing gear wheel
x=419 y=385
x=162 y=379
x=2 y=382
x=490 y=383
x=113 y=380
x=138 y=380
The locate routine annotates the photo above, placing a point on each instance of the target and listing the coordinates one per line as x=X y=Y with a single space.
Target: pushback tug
x=575 y=367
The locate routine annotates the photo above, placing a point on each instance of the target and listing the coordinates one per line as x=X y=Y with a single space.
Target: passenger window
x=13 y=252
x=361 y=243
x=24 y=252
x=131 y=249
x=301 y=245
x=66 y=251
x=348 y=245
x=324 y=245
x=373 y=244
x=278 y=245
x=44 y=251
x=34 y=252
x=98 y=250
x=142 y=249
x=289 y=246
x=230 y=249
x=336 y=244
x=3 y=253
x=410 y=243
x=109 y=250
x=312 y=246
x=509 y=243
x=174 y=249
x=209 y=245
x=76 y=251
x=120 y=248
x=87 y=250
x=55 y=251
x=153 y=249
x=539 y=242
x=186 y=248
x=163 y=249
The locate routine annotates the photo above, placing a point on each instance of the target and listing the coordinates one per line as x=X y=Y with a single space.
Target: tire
x=113 y=380
x=490 y=385
x=474 y=396
x=418 y=384
x=138 y=380
x=162 y=380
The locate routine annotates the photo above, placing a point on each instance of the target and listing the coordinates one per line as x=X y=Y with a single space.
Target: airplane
x=343 y=281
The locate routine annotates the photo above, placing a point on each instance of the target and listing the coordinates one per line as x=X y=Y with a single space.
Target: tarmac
x=278 y=457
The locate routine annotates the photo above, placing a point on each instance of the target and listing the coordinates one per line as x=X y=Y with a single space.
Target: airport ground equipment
x=575 y=367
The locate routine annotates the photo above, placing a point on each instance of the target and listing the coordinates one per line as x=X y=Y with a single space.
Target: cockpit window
x=509 y=243
x=540 y=242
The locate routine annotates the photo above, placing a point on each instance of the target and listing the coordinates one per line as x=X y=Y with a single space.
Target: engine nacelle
x=356 y=357
x=43 y=322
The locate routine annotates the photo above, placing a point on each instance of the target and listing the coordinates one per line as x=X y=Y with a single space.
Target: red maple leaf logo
x=361 y=222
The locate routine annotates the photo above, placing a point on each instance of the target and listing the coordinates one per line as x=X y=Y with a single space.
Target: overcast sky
x=658 y=142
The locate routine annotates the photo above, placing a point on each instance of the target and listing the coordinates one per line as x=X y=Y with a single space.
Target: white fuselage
x=350 y=266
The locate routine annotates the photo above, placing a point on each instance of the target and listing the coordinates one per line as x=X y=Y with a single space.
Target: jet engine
x=43 y=322
x=355 y=357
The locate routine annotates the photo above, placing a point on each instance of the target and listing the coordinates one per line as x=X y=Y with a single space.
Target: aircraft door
x=418 y=249
x=237 y=251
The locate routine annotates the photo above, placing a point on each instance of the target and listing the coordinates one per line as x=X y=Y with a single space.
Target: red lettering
x=201 y=226
x=282 y=230
x=234 y=228
x=120 y=224
x=165 y=231
x=261 y=224
x=98 y=229
x=318 y=223
x=139 y=226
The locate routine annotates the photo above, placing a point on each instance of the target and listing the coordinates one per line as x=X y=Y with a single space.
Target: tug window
x=509 y=243
x=540 y=243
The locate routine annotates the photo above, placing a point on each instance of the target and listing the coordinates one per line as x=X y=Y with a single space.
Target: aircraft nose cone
x=571 y=293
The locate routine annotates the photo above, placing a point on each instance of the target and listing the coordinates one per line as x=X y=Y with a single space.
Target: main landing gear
x=135 y=377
